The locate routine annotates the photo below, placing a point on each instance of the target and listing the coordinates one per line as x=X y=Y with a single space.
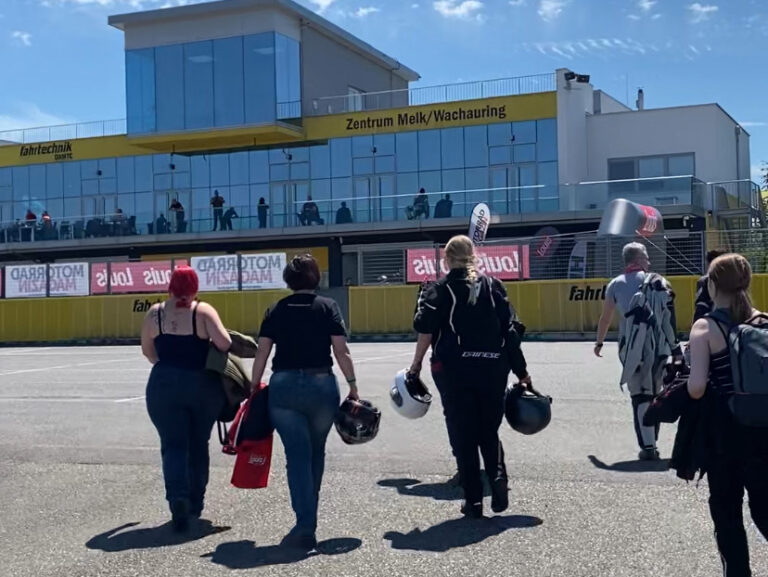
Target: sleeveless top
x=181 y=351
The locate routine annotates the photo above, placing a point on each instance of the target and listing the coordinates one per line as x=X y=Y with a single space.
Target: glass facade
x=512 y=166
x=215 y=83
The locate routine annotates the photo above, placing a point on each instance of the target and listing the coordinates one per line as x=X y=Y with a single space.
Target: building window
x=354 y=99
x=656 y=183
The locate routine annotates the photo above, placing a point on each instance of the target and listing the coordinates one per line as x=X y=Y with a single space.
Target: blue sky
x=61 y=63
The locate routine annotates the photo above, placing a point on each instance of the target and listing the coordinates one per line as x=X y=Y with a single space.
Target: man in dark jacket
x=703 y=299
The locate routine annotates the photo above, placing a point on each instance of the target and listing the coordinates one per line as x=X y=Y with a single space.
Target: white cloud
x=464 y=10
x=362 y=12
x=322 y=5
x=29 y=115
x=754 y=124
x=414 y=6
x=24 y=38
x=517 y=2
x=646 y=5
x=702 y=12
x=550 y=9
x=633 y=17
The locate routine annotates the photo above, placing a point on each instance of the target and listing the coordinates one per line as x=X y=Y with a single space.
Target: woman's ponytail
x=472 y=278
x=741 y=309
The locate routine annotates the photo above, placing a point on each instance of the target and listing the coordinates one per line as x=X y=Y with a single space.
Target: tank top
x=181 y=351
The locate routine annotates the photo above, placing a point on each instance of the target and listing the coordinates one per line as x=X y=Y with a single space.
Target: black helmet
x=357 y=421
x=527 y=410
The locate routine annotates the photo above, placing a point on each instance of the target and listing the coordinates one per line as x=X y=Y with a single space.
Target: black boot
x=180 y=515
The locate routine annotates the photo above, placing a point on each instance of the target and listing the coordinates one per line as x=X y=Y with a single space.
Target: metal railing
x=362 y=211
x=64 y=132
x=366 y=101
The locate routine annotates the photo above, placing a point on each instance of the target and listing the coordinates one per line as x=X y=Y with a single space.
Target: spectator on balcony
x=46 y=219
x=30 y=218
x=444 y=207
x=310 y=213
x=263 y=209
x=177 y=208
x=226 y=219
x=217 y=202
x=420 y=206
x=343 y=215
x=161 y=225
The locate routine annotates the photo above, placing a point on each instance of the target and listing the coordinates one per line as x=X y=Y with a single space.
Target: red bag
x=252 y=465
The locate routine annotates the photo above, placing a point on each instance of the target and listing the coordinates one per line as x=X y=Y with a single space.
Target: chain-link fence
x=534 y=258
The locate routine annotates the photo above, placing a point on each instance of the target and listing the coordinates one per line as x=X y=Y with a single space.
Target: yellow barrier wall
x=563 y=306
x=558 y=306
x=115 y=316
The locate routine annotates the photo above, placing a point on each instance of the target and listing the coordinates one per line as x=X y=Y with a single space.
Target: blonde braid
x=460 y=253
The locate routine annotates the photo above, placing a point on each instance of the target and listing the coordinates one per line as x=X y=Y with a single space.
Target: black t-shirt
x=301 y=327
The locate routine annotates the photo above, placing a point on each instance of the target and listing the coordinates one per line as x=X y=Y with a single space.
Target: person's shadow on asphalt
x=245 y=554
x=458 y=533
x=445 y=491
x=118 y=539
x=632 y=466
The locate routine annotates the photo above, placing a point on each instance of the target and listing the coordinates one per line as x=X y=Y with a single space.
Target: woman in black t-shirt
x=303 y=392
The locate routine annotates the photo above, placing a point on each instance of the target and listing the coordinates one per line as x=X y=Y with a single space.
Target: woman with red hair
x=183 y=399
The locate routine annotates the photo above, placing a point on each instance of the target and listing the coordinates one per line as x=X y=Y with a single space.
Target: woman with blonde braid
x=466 y=319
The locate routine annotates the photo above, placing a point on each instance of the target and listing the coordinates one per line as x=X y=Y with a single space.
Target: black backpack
x=748 y=346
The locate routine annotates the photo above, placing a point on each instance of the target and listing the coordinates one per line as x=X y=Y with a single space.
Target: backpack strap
x=160 y=312
x=722 y=321
x=194 y=318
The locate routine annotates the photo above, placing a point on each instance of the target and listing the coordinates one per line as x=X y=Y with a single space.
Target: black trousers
x=473 y=405
x=218 y=217
x=730 y=472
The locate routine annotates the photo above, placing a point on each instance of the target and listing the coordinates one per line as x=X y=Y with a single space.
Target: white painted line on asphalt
x=56 y=368
x=141 y=398
x=354 y=360
x=21 y=352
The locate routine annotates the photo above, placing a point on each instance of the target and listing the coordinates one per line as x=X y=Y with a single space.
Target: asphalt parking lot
x=81 y=490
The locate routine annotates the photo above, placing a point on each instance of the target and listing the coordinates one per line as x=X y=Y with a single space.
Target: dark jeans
x=218 y=213
x=183 y=406
x=473 y=405
x=302 y=407
x=744 y=466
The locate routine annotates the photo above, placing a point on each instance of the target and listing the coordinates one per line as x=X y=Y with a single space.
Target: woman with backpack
x=737 y=453
x=466 y=319
x=183 y=399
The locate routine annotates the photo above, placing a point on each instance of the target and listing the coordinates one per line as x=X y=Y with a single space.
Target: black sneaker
x=299 y=541
x=499 y=495
x=472 y=510
x=649 y=454
x=180 y=515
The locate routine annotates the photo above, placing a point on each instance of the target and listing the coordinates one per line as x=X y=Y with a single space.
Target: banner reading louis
x=504 y=262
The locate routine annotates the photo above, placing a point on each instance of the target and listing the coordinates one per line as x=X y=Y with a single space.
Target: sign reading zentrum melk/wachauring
x=428 y=118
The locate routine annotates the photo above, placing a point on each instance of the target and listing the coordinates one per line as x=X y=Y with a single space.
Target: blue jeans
x=302 y=407
x=183 y=406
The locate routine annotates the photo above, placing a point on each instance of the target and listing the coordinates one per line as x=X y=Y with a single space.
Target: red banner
x=504 y=262
x=132 y=277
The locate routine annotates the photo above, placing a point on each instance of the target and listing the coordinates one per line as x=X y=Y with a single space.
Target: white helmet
x=410 y=396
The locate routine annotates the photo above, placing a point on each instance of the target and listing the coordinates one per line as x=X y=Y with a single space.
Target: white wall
x=574 y=104
x=330 y=68
x=705 y=130
x=210 y=26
